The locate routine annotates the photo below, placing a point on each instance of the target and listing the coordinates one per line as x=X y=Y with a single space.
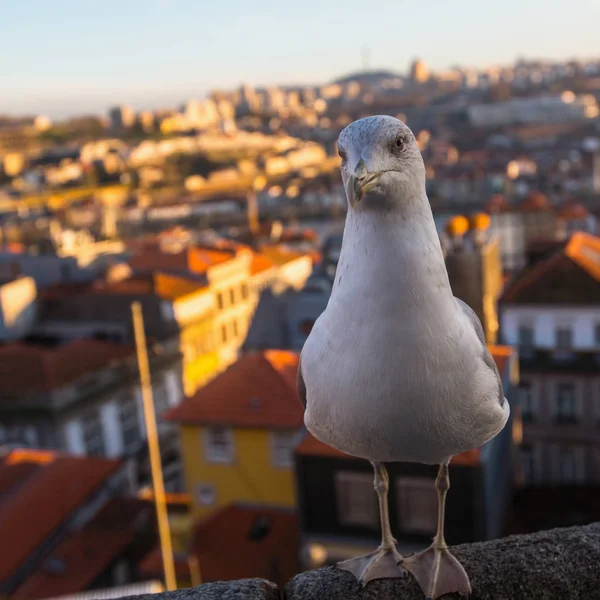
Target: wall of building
x=545 y=319
x=18 y=308
x=251 y=476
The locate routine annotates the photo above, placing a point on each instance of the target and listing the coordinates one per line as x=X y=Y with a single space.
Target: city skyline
x=67 y=60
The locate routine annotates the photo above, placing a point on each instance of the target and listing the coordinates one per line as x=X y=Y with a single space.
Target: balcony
x=581 y=361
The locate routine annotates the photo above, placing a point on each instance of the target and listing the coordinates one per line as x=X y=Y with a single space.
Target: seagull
x=396 y=369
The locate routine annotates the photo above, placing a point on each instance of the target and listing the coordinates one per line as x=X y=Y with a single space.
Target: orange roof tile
x=581 y=253
x=34 y=505
x=584 y=250
x=171 y=287
x=30 y=368
x=226 y=534
x=259 y=390
x=85 y=555
x=573 y=210
x=533 y=202
x=280 y=254
x=260 y=263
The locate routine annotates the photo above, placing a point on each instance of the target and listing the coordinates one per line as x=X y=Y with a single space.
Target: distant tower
x=419 y=72
x=121 y=118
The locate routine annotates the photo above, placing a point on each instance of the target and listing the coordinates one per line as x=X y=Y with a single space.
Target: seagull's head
x=380 y=159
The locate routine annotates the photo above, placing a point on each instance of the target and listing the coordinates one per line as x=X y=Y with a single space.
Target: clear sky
x=62 y=57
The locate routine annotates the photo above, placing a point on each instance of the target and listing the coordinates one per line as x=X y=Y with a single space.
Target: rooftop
x=570 y=275
x=264 y=542
x=82 y=556
x=38 y=491
x=259 y=390
x=28 y=367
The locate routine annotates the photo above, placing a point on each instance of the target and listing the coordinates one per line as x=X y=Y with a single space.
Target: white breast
x=389 y=365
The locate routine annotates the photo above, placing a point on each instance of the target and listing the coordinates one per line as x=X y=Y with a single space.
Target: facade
x=238 y=433
x=551 y=312
x=285 y=320
x=18 y=307
x=83 y=397
x=338 y=507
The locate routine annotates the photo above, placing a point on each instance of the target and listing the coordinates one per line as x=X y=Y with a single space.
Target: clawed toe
x=381 y=564
x=438 y=572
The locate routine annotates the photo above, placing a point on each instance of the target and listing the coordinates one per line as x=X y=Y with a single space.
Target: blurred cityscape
x=223 y=219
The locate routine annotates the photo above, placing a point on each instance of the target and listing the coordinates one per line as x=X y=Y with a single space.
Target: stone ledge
x=561 y=564
x=242 y=589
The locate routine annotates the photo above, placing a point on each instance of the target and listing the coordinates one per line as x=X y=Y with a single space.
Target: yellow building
x=212 y=300
x=238 y=434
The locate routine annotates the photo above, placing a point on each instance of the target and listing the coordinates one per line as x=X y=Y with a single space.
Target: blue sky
x=62 y=57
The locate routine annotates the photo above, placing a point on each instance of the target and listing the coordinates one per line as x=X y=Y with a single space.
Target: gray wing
x=487 y=357
x=300 y=384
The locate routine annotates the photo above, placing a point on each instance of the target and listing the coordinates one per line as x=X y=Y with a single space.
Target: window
x=205 y=494
x=218 y=445
x=564 y=339
x=93 y=434
x=282 y=448
x=130 y=424
x=566 y=410
x=224 y=333
x=526 y=338
x=235 y=329
x=570 y=465
x=357 y=503
x=231 y=296
x=528 y=464
x=244 y=291
x=526 y=400
x=417 y=505
x=220 y=303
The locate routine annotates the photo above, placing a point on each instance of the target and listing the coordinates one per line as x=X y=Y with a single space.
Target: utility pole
x=164 y=532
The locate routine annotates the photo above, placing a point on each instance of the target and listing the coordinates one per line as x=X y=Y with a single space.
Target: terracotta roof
x=35 y=504
x=533 y=202
x=573 y=210
x=85 y=554
x=82 y=557
x=280 y=254
x=259 y=390
x=26 y=367
x=497 y=203
x=570 y=275
x=152 y=256
x=264 y=542
x=171 y=287
x=260 y=263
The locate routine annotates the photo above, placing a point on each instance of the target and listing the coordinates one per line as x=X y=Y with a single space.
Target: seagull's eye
x=399 y=143
x=342 y=153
